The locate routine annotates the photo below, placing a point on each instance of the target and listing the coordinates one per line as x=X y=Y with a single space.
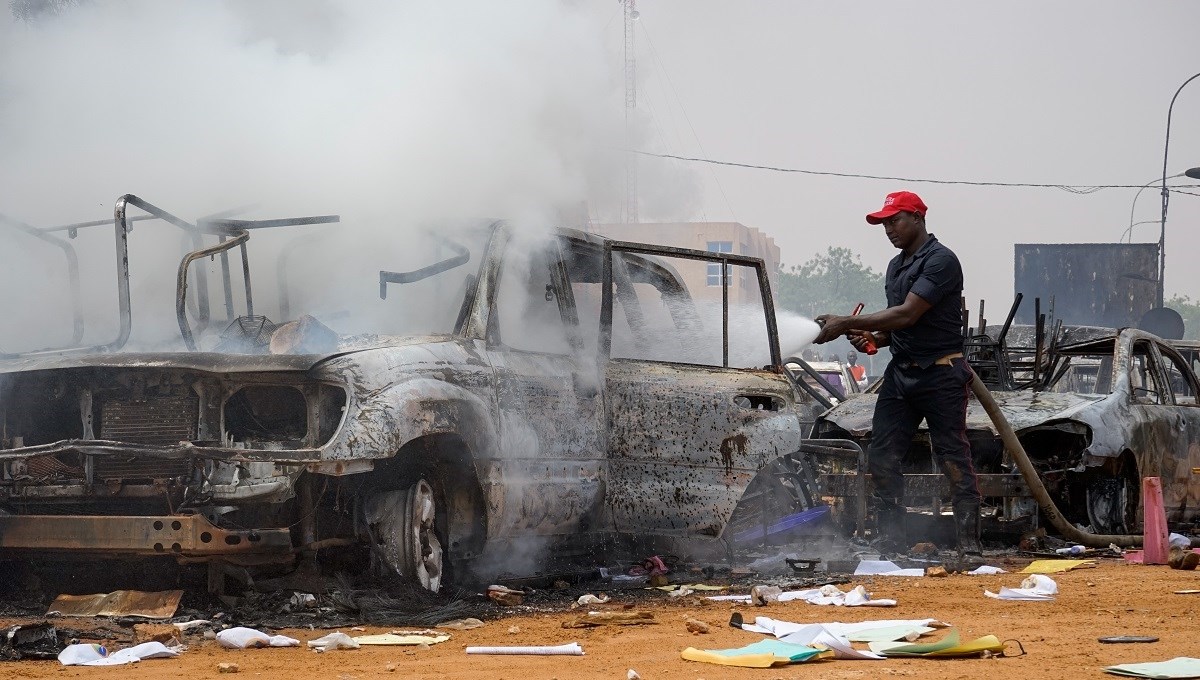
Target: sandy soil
x=1059 y=637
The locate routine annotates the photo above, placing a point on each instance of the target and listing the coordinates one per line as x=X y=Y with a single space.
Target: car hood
x=1023 y=409
x=215 y=362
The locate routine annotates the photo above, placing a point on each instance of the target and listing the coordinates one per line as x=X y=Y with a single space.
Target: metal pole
x=1162 y=225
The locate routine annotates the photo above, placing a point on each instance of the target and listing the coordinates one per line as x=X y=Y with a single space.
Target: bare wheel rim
x=421 y=551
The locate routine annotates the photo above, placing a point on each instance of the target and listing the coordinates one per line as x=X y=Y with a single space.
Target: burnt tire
x=404 y=530
x=1112 y=498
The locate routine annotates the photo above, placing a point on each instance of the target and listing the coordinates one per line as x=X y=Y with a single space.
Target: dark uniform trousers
x=909 y=393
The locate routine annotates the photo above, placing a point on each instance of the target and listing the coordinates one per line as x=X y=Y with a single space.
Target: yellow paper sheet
x=987 y=643
x=742 y=661
x=1055 y=566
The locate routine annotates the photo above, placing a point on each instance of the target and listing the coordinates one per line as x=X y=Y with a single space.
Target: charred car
x=571 y=395
x=1096 y=410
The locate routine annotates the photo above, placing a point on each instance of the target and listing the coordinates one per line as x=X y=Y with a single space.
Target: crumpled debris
x=585 y=600
x=98 y=655
x=462 y=624
x=246 y=638
x=505 y=596
x=651 y=566
x=1034 y=588
x=334 y=640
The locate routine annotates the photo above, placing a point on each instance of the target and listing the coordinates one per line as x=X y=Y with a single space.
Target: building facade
x=704 y=279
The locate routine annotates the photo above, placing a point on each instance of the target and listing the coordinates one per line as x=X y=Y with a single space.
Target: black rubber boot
x=966 y=526
x=890 y=522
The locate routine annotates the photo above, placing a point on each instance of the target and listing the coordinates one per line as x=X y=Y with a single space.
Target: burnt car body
x=1103 y=409
x=580 y=399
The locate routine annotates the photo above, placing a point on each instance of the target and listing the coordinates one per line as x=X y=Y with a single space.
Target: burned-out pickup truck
x=547 y=393
x=1095 y=409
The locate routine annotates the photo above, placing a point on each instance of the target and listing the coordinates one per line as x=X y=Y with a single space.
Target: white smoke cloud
x=392 y=114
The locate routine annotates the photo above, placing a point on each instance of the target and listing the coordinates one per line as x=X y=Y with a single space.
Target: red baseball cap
x=898 y=201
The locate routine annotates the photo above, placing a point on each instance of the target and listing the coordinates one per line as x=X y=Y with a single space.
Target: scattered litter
x=1183 y=558
x=1187 y=592
x=462 y=624
x=227 y=667
x=1179 y=541
x=505 y=596
x=1179 y=667
x=946 y=647
x=693 y=586
x=156 y=605
x=696 y=626
x=825 y=595
x=1071 y=550
x=514 y=630
x=303 y=600
x=30 y=641
x=1056 y=566
x=585 y=600
x=185 y=626
x=1138 y=556
x=592 y=619
x=402 y=640
x=683 y=591
x=98 y=655
x=835 y=636
x=632 y=675
x=1127 y=639
x=1034 y=588
x=986 y=570
x=245 y=638
x=569 y=649
x=884 y=568
x=761 y=596
x=334 y=640
x=651 y=566
x=761 y=654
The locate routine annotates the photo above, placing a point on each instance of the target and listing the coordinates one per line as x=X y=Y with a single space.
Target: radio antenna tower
x=631 y=182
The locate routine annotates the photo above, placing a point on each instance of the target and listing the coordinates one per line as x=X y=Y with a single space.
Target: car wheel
x=1112 y=501
x=404 y=529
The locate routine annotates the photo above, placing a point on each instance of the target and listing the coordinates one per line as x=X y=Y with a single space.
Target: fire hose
x=1069 y=531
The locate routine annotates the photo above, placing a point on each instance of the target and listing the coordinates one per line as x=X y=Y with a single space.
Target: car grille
x=134 y=467
x=163 y=421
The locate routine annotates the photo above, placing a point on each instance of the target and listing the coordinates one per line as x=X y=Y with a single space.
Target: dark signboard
x=1094 y=284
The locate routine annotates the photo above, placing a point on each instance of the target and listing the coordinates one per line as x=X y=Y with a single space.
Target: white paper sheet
x=833 y=635
x=884 y=568
x=986 y=570
x=825 y=595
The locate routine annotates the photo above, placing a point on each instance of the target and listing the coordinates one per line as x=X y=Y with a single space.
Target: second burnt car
x=1096 y=410
x=511 y=395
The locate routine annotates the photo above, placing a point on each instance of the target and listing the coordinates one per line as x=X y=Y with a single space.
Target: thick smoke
x=398 y=116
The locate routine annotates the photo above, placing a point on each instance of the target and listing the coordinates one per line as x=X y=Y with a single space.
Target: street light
x=1166 y=196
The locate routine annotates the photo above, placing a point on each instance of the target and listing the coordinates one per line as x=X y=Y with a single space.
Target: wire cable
x=1072 y=188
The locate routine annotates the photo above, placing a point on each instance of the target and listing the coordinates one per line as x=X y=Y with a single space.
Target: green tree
x=832 y=282
x=1189 y=309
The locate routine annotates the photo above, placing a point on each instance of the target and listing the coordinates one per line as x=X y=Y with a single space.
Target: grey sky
x=378 y=109
x=1061 y=92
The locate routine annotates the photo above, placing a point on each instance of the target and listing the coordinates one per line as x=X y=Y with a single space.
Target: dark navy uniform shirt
x=935 y=275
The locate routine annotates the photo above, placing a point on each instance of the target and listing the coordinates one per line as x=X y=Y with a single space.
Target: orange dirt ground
x=1059 y=637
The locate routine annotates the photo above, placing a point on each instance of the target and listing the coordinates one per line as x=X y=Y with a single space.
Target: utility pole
x=631 y=183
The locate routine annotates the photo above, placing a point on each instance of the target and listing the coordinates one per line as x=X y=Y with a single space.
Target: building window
x=714 y=268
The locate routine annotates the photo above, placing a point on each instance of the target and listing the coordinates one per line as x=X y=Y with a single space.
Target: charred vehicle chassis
x=601 y=406
x=1096 y=410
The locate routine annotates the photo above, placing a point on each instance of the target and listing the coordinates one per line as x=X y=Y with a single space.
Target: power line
x=1072 y=188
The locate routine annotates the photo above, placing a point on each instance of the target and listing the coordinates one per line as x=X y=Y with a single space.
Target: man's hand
x=832 y=327
x=860 y=339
